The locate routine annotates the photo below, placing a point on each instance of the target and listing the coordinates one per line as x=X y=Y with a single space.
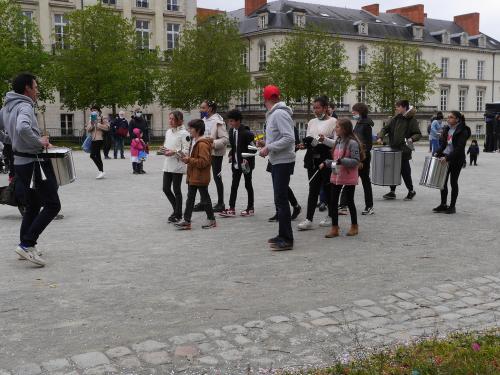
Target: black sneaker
x=390 y=195
x=368 y=211
x=322 y=207
x=295 y=213
x=281 y=245
x=274 y=240
x=440 y=208
x=198 y=207
x=219 y=207
x=451 y=210
x=173 y=219
x=410 y=196
x=273 y=219
x=185 y=225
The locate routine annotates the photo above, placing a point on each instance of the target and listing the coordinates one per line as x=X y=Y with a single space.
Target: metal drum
x=386 y=166
x=61 y=159
x=434 y=173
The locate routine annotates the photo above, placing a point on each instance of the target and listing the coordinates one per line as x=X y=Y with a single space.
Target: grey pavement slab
x=118 y=274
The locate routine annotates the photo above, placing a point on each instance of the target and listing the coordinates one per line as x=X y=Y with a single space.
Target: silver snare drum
x=61 y=159
x=386 y=166
x=434 y=173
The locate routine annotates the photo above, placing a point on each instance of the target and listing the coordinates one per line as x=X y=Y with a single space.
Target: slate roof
x=341 y=21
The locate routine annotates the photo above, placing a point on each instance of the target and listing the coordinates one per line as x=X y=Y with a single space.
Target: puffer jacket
x=199 y=162
x=215 y=128
x=176 y=139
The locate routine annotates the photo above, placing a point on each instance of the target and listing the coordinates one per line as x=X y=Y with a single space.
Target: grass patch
x=459 y=354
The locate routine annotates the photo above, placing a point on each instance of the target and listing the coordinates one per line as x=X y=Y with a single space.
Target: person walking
x=198 y=162
x=119 y=131
x=322 y=127
x=452 y=151
x=436 y=130
x=473 y=152
x=176 y=145
x=240 y=138
x=280 y=147
x=35 y=178
x=96 y=127
x=403 y=131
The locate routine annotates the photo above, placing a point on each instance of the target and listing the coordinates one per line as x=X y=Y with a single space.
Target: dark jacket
x=245 y=138
x=141 y=124
x=473 y=150
x=399 y=128
x=363 y=130
x=118 y=123
x=199 y=163
x=459 y=141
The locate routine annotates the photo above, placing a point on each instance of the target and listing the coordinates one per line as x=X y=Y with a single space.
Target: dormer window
x=263 y=20
x=464 y=39
x=444 y=35
x=481 y=40
x=362 y=27
x=299 y=19
x=418 y=33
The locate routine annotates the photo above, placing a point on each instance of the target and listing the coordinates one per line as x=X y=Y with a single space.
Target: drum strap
x=41 y=156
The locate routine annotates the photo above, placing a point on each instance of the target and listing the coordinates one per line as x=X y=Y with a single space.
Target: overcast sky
x=440 y=9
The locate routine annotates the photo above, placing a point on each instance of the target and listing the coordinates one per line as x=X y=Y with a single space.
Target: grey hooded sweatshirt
x=280 y=136
x=18 y=117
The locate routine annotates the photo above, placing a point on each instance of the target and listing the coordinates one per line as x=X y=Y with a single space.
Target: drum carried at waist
x=434 y=173
x=386 y=166
x=61 y=159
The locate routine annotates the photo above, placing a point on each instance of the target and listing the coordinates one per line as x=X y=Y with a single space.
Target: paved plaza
x=123 y=292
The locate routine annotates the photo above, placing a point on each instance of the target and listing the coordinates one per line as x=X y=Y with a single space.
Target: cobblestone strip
x=299 y=339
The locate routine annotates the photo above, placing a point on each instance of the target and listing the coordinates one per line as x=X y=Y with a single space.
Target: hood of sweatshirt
x=280 y=105
x=13 y=99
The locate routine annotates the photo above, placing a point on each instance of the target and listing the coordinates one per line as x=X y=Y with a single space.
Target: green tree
x=207 y=64
x=397 y=71
x=22 y=49
x=308 y=63
x=102 y=63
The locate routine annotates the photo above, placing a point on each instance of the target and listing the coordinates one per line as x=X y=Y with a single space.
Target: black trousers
x=453 y=174
x=107 y=143
x=216 y=169
x=406 y=174
x=174 y=198
x=473 y=159
x=248 y=186
x=95 y=154
x=334 y=202
x=9 y=158
x=321 y=180
x=364 y=174
x=281 y=181
x=205 y=200
x=44 y=194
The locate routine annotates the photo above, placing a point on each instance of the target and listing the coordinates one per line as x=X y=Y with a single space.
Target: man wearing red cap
x=280 y=147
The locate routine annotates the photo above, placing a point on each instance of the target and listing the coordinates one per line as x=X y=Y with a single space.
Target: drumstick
x=314 y=175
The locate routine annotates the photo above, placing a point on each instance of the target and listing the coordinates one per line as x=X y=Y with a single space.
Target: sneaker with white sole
x=30 y=254
x=305 y=225
x=37 y=251
x=343 y=210
x=228 y=213
x=368 y=211
x=247 y=213
x=100 y=176
x=326 y=222
x=209 y=224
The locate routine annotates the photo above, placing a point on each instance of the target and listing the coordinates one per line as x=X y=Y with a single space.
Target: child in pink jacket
x=137 y=148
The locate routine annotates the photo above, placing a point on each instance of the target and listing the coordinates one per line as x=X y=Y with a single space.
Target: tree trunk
x=113 y=107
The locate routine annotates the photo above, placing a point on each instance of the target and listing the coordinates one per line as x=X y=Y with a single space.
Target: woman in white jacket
x=176 y=143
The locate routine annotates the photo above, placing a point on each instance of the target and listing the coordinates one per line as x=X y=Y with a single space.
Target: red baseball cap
x=271 y=91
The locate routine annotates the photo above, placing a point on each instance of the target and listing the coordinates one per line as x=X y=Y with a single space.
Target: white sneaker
x=326 y=222
x=30 y=254
x=100 y=176
x=305 y=225
x=37 y=251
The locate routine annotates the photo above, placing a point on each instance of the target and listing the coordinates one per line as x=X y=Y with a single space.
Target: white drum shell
x=434 y=173
x=386 y=166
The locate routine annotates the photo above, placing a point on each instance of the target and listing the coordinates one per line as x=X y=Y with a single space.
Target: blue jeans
x=36 y=219
x=281 y=180
x=118 y=145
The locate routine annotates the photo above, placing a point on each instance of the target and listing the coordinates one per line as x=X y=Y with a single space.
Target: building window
x=299 y=19
x=244 y=58
x=463 y=69
x=262 y=56
x=60 y=30
x=444 y=67
x=142 y=3
x=479 y=130
x=361 y=58
x=418 y=58
x=462 y=97
x=109 y=2
x=149 y=120
x=173 y=5
x=340 y=101
x=480 y=100
x=66 y=124
x=142 y=31
x=444 y=99
x=244 y=99
x=361 y=94
x=480 y=70
x=173 y=32
x=263 y=21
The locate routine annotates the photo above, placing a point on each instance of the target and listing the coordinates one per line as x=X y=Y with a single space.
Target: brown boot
x=354 y=230
x=334 y=232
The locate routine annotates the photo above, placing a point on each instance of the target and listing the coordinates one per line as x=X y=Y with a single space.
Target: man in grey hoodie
x=280 y=147
x=35 y=179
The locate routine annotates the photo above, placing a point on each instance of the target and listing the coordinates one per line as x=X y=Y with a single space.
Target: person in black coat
x=240 y=138
x=138 y=121
x=452 y=151
x=473 y=152
x=119 y=130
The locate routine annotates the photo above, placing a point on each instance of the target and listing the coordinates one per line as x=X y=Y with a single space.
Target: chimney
x=373 y=9
x=253 y=5
x=468 y=22
x=415 y=13
x=204 y=13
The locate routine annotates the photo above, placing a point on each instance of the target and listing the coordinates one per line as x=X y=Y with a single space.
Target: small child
x=137 y=151
x=473 y=152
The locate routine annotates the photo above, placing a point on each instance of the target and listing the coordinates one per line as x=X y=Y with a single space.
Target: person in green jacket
x=402 y=130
